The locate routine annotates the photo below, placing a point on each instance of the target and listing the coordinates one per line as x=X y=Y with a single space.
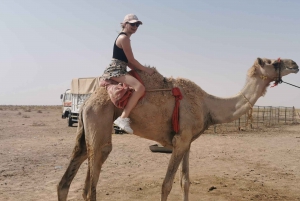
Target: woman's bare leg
x=139 y=90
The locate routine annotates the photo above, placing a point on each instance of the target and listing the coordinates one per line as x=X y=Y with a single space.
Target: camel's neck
x=223 y=110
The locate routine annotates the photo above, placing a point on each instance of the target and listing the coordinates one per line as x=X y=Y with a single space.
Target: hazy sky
x=44 y=44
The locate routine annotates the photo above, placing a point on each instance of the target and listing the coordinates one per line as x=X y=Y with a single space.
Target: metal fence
x=261 y=116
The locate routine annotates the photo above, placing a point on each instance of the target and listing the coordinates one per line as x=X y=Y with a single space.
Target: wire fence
x=261 y=116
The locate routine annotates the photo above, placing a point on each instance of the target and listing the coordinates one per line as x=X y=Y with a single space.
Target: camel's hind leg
x=98 y=138
x=79 y=155
x=95 y=165
x=184 y=176
x=181 y=146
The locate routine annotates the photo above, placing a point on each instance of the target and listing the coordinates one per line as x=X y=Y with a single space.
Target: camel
x=151 y=119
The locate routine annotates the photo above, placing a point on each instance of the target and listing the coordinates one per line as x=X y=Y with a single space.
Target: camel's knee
x=181 y=142
x=105 y=151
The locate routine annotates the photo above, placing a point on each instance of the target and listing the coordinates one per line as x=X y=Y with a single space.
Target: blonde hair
x=122 y=26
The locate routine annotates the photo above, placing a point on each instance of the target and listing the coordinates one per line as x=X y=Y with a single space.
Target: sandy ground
x=35 y=148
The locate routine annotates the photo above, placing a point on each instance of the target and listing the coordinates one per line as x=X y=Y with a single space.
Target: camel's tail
x=78 y=156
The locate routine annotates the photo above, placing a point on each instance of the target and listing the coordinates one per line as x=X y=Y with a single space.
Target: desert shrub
x=13 y=108
x=27 y=110
x=19 y=113
x=39 y=111
x=26 y=116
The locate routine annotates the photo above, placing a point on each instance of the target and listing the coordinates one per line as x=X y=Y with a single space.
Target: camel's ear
x=260 y=62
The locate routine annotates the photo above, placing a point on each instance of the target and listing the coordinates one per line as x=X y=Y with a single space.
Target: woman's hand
x=150 y=71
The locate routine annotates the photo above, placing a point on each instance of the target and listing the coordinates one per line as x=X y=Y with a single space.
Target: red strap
x=274 y=85
x=175 y=117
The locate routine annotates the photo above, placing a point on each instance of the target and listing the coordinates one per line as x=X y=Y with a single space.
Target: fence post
x=293 y=114
x=278 y=115
x=270 y=116
x=257 y=117
x=285 y=115
x=264 y=116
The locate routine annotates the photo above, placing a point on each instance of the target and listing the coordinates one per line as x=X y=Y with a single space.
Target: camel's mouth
x=294 y=69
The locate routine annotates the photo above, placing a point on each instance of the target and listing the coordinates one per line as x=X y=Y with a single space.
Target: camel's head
x=274 y=69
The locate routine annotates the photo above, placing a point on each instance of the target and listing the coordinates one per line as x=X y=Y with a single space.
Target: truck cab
x=66 y=99
x=73 y=98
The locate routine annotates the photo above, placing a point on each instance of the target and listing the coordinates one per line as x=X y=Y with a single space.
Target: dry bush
x=13 y=108
x=38 y=124
x=19 y=113
x=27 y=110
x=1 y=108
x=26 y=116
x=39 y=111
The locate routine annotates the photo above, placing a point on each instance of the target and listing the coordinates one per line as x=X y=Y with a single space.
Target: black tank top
x=118 y=52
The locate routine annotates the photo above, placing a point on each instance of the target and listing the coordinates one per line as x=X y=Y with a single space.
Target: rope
x=291 y=84
x=249 y=112
x=251 y=106
x=152 y=90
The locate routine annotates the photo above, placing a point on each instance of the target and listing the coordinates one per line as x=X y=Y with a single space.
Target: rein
x=290 y=84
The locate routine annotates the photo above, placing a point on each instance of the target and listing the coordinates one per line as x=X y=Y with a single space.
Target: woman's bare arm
x=132 y=62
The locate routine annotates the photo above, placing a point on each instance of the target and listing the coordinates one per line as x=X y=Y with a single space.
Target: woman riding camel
x=123 y=57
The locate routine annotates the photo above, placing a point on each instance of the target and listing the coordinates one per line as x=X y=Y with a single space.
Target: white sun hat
x=131 y=18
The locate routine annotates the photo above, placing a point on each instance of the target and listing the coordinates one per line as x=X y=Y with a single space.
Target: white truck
x=72 y=99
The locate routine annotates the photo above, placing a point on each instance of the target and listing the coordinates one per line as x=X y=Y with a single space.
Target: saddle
x=120 y=93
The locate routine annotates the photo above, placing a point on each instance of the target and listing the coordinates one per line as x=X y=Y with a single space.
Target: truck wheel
x=70 y=122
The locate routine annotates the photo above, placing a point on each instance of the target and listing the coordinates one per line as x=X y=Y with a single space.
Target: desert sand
x=36 y=144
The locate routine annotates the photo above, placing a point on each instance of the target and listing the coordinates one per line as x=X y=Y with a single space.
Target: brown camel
x=151 y=119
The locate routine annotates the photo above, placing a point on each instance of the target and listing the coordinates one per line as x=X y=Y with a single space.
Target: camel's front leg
x=184 y=176
x=181 y=146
